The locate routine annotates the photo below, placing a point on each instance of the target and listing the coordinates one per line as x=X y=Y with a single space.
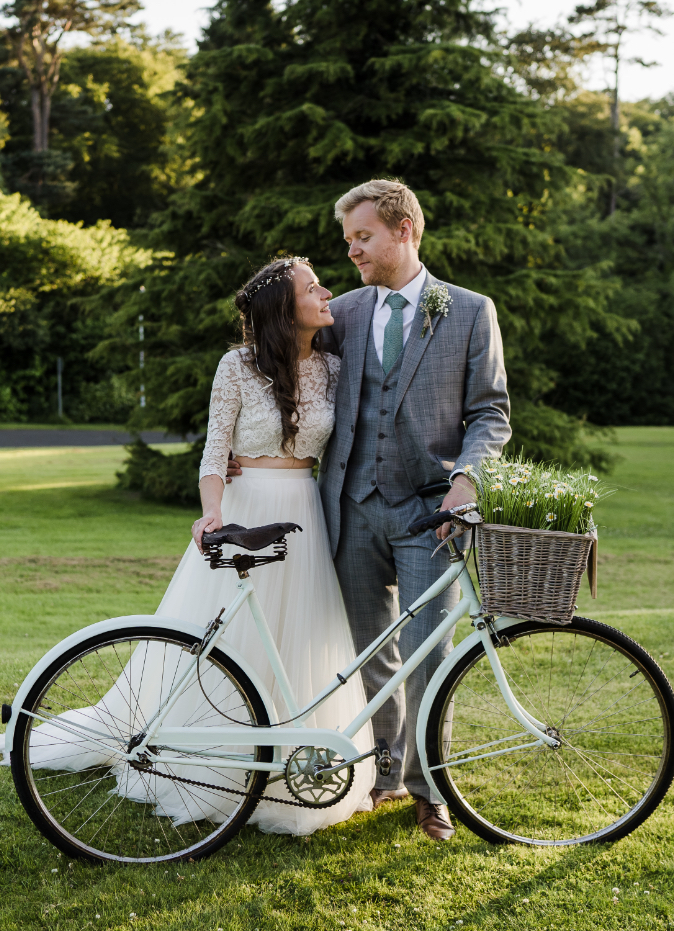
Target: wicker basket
x=533 y=574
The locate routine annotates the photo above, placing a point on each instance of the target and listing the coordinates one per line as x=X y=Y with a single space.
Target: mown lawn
x=74 y=550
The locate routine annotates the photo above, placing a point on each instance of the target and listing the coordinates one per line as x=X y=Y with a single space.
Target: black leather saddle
x=255 y=538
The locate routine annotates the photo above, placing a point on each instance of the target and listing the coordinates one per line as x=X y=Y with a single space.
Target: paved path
x=27 y=437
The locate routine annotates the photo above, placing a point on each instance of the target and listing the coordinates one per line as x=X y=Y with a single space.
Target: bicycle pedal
x=383 y=757
x=385 y=763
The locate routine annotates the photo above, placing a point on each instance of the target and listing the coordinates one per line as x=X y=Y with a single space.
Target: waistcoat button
x=380 y=458
x=383 y=412
x=342 y=465
x=382 y=436
x=373 y=482
x=386 y=388
x=352 y=428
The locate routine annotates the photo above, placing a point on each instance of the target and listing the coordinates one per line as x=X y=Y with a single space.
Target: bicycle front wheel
x=90 y=704
x=612 y=708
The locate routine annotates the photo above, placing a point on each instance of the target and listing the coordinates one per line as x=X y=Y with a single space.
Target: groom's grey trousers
x=375 y=549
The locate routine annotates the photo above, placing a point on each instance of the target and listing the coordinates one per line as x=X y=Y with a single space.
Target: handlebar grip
x=430 y=523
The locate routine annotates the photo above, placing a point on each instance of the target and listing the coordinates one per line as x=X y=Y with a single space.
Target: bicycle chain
x=207 y=785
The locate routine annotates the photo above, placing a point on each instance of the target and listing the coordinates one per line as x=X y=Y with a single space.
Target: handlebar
x=465 y=514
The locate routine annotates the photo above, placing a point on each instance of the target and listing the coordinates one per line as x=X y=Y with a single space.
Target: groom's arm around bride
x=421 y=396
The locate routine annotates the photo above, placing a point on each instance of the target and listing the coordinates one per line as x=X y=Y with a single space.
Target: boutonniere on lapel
x=434 y=301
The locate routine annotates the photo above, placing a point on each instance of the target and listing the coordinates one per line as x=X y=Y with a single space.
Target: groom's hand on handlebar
x=461 y=492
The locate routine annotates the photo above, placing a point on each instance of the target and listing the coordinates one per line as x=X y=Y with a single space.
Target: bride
x=272 y=406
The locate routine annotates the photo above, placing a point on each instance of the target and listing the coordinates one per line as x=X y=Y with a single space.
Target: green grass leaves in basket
x=521 y=493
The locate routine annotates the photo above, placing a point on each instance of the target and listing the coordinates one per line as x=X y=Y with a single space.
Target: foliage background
x=47 y=268
x=216 y=162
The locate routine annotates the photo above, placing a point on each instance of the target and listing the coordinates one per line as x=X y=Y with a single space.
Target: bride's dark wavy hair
x=267 y=307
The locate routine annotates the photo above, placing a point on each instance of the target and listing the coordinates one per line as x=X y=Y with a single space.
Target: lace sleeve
x=223 y=411
x=334 y=366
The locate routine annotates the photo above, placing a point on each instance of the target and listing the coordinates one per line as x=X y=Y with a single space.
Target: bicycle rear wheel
x=91 y=803
x=613 y=709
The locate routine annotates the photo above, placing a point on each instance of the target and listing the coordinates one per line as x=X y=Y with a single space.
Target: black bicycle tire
x=628 y=646
x=46 y=825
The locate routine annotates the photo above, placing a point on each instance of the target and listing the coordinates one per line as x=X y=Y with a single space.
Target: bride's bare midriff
x=275 y=462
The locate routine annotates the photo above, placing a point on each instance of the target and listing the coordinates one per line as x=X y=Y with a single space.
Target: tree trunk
x=46 y=115
x=615 y=126
x=38 y=123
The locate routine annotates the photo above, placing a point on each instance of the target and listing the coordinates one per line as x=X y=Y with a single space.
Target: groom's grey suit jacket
x=451 y=406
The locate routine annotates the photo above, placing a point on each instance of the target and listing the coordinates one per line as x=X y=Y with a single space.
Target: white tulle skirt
x=303 y=605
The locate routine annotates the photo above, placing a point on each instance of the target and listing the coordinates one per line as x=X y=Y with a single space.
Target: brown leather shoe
x=434 y=820
x=379 y=796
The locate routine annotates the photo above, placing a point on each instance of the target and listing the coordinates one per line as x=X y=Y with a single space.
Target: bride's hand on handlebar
x=461 y=492
x=209 y=523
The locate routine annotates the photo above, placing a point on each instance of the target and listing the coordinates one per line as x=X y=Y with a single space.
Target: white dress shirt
x=382 y=311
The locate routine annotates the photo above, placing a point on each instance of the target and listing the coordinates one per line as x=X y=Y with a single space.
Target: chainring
x=302 y=782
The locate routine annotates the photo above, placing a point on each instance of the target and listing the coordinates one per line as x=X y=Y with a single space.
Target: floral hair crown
x=285 y=272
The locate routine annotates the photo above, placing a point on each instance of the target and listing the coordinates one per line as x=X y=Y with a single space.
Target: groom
x=411 y=409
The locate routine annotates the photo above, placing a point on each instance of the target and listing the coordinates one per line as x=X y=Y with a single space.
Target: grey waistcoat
x=375 y=461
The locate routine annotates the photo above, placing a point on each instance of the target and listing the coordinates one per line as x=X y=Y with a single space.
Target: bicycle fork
x=544 y=735
x=535 y=727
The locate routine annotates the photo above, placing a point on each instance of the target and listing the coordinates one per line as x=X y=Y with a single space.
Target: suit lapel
x=356 y=343
x=415 y=346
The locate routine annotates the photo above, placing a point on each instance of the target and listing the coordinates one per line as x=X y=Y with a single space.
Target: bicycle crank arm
x=381 y=752
x=320 y=772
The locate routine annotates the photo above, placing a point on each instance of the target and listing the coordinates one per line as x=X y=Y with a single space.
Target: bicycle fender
x=116 y=625
x=467 y=644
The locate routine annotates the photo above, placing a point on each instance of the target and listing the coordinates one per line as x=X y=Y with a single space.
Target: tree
x=36 y=36
x=629 y=381
x=611 y=21
x=36 y=31
x=47 y=270
x=115 y=118
x=115 y=140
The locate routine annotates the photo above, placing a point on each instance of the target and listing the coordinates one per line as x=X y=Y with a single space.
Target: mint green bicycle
x=533 y=733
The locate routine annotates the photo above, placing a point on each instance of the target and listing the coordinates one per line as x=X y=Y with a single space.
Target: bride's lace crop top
x=243 y=415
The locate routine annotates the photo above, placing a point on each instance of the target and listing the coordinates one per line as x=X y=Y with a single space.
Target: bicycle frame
x=340 y=742
x=199 y=742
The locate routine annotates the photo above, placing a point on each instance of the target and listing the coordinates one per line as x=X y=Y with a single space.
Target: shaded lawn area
x=74 y=553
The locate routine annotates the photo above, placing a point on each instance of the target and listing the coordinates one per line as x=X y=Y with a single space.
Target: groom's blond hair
x=393 y=201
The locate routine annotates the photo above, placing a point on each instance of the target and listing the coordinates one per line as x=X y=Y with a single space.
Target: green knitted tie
x=393 y=331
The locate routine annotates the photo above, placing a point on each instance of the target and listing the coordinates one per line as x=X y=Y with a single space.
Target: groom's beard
x=383 y=269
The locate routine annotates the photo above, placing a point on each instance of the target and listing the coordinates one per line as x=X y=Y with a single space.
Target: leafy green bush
x=171 y=478
x=544 y=434
x=47 y=270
